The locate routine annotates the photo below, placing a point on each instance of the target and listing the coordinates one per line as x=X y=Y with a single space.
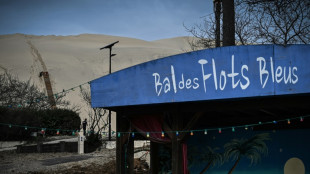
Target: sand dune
x=73 y=60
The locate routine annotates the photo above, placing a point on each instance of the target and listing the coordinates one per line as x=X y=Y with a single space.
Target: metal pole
x=110 y=110
x=110 y=61
x=110 y=69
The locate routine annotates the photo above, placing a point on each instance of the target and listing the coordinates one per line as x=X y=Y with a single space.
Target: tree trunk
x=231 y=170
x=206 y=168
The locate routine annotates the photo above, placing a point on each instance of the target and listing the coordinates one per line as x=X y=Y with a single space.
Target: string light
x=192 y=133
x=274 y=121
x=43 y=130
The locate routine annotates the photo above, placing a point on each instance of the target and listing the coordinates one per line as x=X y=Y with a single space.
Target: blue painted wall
x=220 y=73
x=282 y=146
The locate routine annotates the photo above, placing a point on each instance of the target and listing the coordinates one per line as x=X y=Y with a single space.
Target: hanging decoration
x=206 y=132
x=191 y=132
x=220 y=130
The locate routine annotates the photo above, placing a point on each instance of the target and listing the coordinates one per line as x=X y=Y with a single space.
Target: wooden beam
x=190 y=125
x=268 y=112
x=167 y=129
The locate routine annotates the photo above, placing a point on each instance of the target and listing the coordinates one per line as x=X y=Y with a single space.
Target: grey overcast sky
x=141 y=19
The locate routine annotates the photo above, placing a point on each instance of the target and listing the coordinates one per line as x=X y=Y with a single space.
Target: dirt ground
x=102 y=161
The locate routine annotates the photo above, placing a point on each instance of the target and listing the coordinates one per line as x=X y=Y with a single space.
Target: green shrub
x=24 y=121
x=93 y=141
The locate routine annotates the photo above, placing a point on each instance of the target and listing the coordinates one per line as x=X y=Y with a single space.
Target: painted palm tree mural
x=250 y=148
x=211 y=157
x=206 y=155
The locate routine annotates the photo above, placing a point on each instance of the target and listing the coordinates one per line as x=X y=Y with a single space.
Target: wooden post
x=19 y=149
x=217 y=11
x=130 y=156
x=124 y=150
x=228 y=22
x=177 y=155
x=40 y=147
x=154 y=158
x=62 y=146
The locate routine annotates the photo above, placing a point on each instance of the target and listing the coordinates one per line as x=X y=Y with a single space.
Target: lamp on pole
x=110 y=48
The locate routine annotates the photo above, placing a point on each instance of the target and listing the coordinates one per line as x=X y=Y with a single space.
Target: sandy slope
x=73 y=60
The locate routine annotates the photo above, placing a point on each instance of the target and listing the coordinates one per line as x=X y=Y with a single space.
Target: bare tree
x=204 y=33
x=15 y=93
x=98 y=117
x=261 y=22
x=281 y=21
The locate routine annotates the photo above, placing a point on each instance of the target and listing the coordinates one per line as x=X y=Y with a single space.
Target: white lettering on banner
x=223 y=77
x=157 y=83
x=204 y=76
x=239 y=78
x=281 y=74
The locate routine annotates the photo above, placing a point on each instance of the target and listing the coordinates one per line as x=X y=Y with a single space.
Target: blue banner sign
x=220 y=73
